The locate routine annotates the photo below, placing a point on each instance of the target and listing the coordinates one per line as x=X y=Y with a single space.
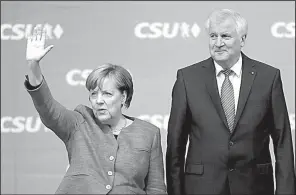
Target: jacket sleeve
x=177 y=138
x=282 y=140
x=53 y=115
x=155 y=178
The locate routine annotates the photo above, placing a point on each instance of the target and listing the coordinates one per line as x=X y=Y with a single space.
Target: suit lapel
x=211 y=84
x=248 y=75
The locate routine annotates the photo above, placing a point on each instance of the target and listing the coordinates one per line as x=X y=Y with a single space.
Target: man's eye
x=226 y=37
x=213 y=36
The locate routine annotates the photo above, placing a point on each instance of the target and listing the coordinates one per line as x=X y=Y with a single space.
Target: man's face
x=225 y=43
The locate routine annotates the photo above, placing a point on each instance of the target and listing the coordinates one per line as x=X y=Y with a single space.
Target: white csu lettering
x=155 y=30
x=20 y=31
x=283 y=30
x=77 y=77
x=20 y=124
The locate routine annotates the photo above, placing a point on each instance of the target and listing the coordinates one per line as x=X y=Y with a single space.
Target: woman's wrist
x=34 y=73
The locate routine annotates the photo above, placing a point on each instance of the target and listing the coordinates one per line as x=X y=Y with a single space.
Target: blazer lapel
x=248 y=75
x=211 y=84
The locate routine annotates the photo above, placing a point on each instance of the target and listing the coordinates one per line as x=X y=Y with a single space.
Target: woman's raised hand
x=35 y=45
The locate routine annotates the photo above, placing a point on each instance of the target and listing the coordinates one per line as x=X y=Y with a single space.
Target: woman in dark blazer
x=109 y=152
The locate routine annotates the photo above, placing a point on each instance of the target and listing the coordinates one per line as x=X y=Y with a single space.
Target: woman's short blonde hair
x=121 y=76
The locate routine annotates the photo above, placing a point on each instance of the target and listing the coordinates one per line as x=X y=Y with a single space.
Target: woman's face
x=107 y=101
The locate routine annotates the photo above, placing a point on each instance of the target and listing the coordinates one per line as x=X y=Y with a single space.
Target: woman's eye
x=93 y=94
x=108 y=94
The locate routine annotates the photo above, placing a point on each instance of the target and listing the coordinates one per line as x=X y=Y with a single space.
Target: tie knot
x=226 y=72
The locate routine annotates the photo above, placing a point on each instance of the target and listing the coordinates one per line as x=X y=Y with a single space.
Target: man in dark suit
x=229 y=105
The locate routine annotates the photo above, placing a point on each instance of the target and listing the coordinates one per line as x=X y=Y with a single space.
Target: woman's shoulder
x=145 y=125
x=85 y=111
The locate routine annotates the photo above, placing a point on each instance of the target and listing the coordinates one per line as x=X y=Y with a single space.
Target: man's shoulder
x=262 y=66
x=195 y=66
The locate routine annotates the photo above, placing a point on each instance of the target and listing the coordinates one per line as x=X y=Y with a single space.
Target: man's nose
x=219 y=42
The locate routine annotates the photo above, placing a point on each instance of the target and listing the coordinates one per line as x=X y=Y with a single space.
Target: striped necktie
x=227 y=99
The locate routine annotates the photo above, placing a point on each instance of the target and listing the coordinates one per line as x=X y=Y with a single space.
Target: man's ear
x=243 y=40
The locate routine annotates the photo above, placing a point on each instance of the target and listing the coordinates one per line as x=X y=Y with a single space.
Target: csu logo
x=283 y=30
x=77 y=77
x=21 y=31
x=156 y=30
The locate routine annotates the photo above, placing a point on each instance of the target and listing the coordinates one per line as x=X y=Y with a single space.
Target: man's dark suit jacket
x=214 y=154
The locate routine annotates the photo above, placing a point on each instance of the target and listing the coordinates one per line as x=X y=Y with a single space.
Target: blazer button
x=111 y=158
x=231 y=169
x=108 y=187
x=110 y=173
x=231 y=143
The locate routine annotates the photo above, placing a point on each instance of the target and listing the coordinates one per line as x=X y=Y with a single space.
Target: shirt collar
x=236 y=68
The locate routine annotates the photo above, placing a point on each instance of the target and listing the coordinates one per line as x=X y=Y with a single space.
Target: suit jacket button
x=231 y=169
x=231 y=143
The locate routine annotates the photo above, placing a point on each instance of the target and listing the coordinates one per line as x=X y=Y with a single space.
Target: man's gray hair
x=223 y=14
